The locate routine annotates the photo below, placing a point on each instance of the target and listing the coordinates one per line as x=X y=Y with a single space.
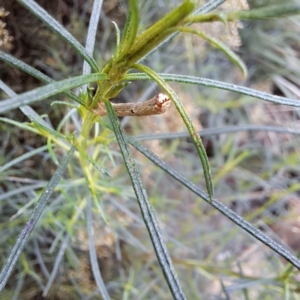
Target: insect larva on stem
x=155 y=106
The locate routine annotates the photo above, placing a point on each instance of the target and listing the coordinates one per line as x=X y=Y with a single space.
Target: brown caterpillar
x=155 y=106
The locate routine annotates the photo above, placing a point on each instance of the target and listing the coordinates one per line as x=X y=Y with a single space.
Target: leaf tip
x=245 y=72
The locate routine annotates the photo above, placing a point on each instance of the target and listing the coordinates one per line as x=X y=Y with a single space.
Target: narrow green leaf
x=58 y=260
x=227 y=297
x=242 y=223
x=24 y=67
x=24 y=126
x=65 y=119
x=39 y=125
x=23 y=189
x=19 y=285
x=91 y=35
x=117 y=52
x=48 y=91
x=126 y=31
x=219 y=45
x=146 y=209
x=218 y=84
x=288 y=270
x=231 y=164
x=131 y=28
x=51 y=152
x=128 y=286
x=36 y=119
x=35 y=73
x=34 y=217
x=266 y=12
x=21 y=158
x=93 y=252
x=271 y=11
x=217 y=131
x=188 y=123
x=43 y=15
x=57 y=102
x=96 y=165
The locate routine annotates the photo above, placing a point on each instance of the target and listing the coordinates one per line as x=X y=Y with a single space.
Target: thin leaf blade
x=188 y=122
x=219 y=45
x=131 y=28
x=34 y=217
x=43 y=15
x=34 y=72
x=220 y=85
x=48 y=91
x=93 y=253
x=238 y=220
x=146 y=209
x=91 y=36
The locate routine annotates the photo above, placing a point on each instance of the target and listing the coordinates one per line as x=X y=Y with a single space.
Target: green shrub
x=111 y=79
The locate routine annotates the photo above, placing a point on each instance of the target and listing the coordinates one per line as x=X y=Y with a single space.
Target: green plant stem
x=209 y=6
x=88 y=122
x=82 y=141
x=157 y=33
